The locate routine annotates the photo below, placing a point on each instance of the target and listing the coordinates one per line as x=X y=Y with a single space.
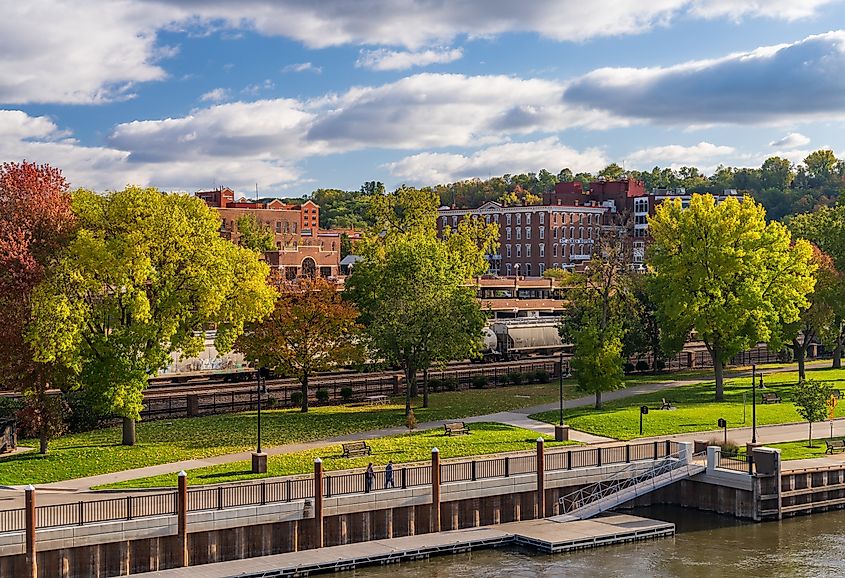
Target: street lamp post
x=561 y=431
x=753 y=404
x=259 y=458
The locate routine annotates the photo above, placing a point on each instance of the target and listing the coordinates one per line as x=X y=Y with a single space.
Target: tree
x=145 y=274
x=594 y=320
x=35 y=224
x=255 y=235
x=811 y=398
x=776 y=173
x=722 y=271
x=642 y=333
x=412 y=288
x=311 y=329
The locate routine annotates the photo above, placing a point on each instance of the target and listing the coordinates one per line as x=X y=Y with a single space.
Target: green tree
x=811 y=398
x=722 y=271
x=643 y=335
x=612 y=172
x=144 y=276
x=311 y=329
x=255 y=235
x=412 y=288
x=776 y=173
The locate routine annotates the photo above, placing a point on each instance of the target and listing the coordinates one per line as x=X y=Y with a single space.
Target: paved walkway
x=80 y=488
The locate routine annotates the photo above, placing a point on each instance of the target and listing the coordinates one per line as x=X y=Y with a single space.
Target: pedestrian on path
x=369 y=476
x=388 y=475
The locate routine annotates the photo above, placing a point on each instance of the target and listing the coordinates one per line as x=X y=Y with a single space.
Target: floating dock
x=545 y=535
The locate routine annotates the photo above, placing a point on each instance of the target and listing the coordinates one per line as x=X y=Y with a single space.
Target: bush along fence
x=290 y=489
x=348 y=388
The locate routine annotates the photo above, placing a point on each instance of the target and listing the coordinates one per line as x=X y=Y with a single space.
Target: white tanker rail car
x=518 y=338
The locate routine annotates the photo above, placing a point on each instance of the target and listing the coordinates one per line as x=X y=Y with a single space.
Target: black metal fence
x=338 y=484
x=742 y=464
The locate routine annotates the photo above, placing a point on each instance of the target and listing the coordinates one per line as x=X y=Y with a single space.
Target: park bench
x=376 y=399
x=455 y=428
x=666 y=404
x=834 y=446
x=352 y=449
x=769 y=397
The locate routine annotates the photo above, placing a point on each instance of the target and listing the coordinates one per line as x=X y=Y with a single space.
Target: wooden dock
x=544 y=535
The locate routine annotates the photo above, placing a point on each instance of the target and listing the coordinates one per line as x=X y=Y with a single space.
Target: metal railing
x=334 y=484
x=622 y=480
x=742 y=464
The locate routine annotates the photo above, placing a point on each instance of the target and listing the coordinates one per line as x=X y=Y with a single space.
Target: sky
x=287 y=96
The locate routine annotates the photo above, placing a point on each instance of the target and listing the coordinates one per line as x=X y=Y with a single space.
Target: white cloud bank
x=791 y=140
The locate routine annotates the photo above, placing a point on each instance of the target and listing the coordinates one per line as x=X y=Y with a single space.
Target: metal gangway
x=627 y=484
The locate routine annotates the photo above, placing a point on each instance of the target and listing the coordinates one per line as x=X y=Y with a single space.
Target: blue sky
x=292 y=95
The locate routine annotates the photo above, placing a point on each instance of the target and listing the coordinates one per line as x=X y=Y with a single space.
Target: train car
x=518 y=338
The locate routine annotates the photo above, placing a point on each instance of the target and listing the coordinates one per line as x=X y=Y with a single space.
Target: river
x=705 y=545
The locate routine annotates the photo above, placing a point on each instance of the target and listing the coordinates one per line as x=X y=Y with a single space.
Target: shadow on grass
x=218 y=475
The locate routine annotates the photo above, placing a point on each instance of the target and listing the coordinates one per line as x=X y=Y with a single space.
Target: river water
x=705 y=545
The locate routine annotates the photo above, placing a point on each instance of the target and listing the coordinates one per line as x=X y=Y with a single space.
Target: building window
x=508 y=234
x=508 y=219
x=542 y=218
x=444 y=219
x=487 y=219
x=580 y=232
x=527 y=218
x=590 y=233
x=543 y=250
x=571 y=232
x=542 y=233
x=542 y=269
x=527 y=250
x=509 y=269
x=496 y=219
x=641 y=205
x=527 y=270
x=278 y=226
x=519 y=250
x=454 y=220
x=508 y=251
x=640 y=220
x=519 y=233
x=554 y=250
x=527 y=233
x=556 y=265
x=518 y=218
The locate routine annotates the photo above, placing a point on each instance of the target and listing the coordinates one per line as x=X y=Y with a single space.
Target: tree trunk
x=798 y=352
x=425 y=388
x=837 y=355
x=810 y=441
x=598 y=400
x=129 y=438
x=304 y=384
x=413 y=385
x=719 y=371
x=410 y=385
x=42 y=445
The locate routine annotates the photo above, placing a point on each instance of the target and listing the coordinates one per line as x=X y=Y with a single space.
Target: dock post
x=31 y=558
x=318 y=503
x=541 y=479
x=435 y=490
x=182 y=519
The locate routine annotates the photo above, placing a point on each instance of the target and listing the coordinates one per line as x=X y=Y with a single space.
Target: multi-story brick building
x=301 y=247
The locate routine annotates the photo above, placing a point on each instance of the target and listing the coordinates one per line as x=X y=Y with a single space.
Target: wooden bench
x=455 y=428
x=834 y=446
x=352 y=449
x=769 y=397
x=666 y=404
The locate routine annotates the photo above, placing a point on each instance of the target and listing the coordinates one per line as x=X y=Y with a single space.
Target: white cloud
x=678 y=155
x=791 y=140
x=302 y=67
x=216 y=95
x=786 y=83
x=257 y=88
x=514 y=158
x=384 y=59
x=97 y=50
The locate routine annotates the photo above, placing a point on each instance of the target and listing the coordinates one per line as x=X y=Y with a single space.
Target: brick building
x=301 y=246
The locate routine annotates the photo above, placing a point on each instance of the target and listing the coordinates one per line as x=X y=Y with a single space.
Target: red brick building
x=301 y=246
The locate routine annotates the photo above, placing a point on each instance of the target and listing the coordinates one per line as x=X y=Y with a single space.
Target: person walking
x=369 y=476
x=388 y=475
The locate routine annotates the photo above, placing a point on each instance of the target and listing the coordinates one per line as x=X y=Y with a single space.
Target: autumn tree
x=145 y=274
x=413 y=289
x=255 y=235
x=811 y=398
x=311 y=329
x=35 y=224
x=725 y=273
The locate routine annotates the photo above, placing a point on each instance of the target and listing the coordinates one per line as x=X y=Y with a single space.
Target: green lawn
x=696 y=410
x=99 y=452
x=485 y=438
x=798 y=450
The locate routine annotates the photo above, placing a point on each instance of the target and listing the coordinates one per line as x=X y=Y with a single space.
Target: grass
x=798 y=450
x=696 y=410
x=99 y=452
x=485 y=438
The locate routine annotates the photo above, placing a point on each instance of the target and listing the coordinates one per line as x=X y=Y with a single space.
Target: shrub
x=346 y=393
x=82 y=415
x=785 y=355
x=729 y=448
x=435 y=384
x=271 y=402
x=322 y=395
x=296 y=398
x=452 y=384
x=9 y=406
x=479 y=381
x=659 y=365
x=628 y=367
x=411 y=421
x=642 y=365
x=541 y=376
x=515 y=378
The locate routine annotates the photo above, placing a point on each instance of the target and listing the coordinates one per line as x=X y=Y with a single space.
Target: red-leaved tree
x=36 y=221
